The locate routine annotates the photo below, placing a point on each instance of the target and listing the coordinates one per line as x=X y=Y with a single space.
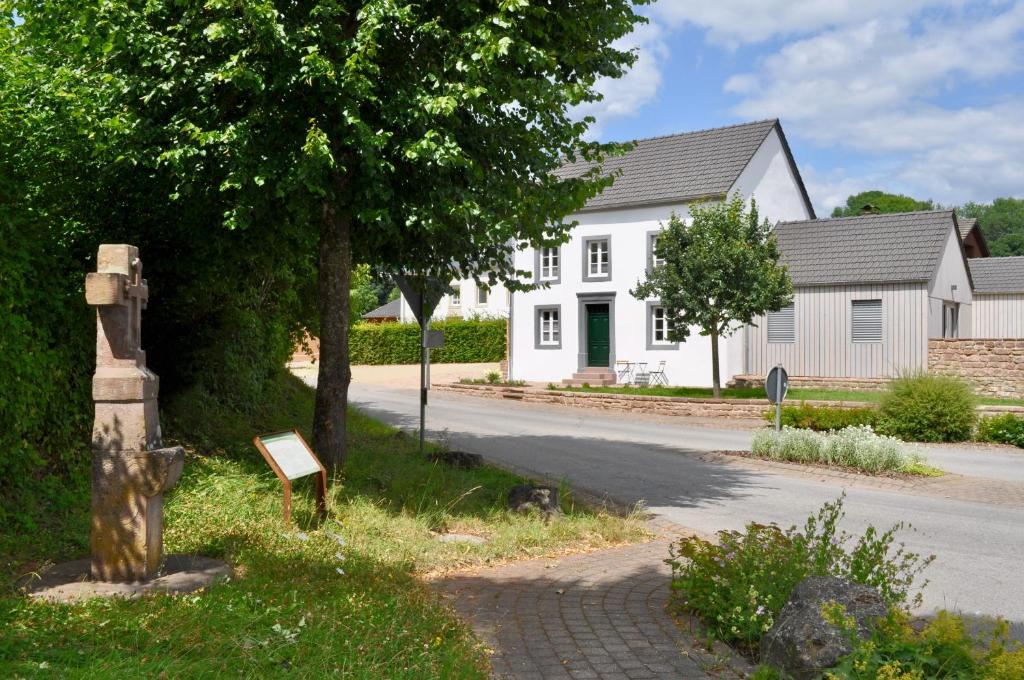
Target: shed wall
x=998 y=315
x=823 y=346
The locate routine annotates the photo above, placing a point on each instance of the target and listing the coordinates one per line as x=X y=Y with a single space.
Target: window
x=456 y=295
x=950 y=320
x=658 y=326
x=597 y=258
x=481 y=295
x=782 y=325
x=549 y=328
x=866 y=320
x=652 y=258
x=549 y=264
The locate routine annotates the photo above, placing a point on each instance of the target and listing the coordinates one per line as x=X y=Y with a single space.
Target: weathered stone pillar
x=130 y=470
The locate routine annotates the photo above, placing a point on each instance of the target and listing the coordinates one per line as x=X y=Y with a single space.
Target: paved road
x=627 y=457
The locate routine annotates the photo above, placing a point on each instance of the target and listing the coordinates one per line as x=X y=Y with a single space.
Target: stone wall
x=994 y=366
x=815 y=382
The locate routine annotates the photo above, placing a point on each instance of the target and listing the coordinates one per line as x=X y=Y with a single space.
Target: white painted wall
x=496 y=307
x=950 y=284
x=823 y=344
x=769 y=179
x=998 y=315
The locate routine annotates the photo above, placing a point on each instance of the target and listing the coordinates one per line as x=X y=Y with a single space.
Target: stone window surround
x=584 y=299
x=558 y=269
x=653 y=346
x=587 y=240
x=650 y=248
x=537 y=311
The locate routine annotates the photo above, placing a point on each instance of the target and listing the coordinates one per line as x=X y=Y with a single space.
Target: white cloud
x=885 y=87
x=624 y=96
x=734 y=22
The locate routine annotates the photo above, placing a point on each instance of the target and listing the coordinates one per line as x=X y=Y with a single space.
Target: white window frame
x=456 y=297
x=652 y=242
x=549 y=327
x=597 y=258
x=659 y=324
x=550 y=266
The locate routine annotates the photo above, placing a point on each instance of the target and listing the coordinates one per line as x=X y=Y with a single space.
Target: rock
x=461 y=538
x=526 y=497
x=801 y=643
x=457 y=459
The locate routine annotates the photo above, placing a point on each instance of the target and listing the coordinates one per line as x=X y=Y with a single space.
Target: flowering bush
x=856 y=447
x=1005 y=429
x=738 y=586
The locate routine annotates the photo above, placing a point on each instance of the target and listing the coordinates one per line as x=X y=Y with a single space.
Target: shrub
x=855 y=447
x=1004 y=429
x=738 y=586
x=465 y=342
x=928 y=407
x=493 y=377
x=825 y=418
x=942 y=649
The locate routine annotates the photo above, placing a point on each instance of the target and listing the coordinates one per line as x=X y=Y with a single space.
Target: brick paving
x=594 y=615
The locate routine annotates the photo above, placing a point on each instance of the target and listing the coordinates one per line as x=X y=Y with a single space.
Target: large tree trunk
x=333 y=286
x=716 y=381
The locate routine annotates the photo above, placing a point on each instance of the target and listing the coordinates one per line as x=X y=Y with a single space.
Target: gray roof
x=389 y=310
x=966 y=224
x=682 y=167
x=997 y=274
x=884 y=248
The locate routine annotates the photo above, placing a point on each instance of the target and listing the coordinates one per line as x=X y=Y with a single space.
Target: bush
x=928 y=407
x=942 y=649
x=825 y=418
x=855 y=447
x=1005 y=429
x=465 y=342
x=738 y=586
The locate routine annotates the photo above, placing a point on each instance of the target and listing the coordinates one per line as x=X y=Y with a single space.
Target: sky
x=923 y=97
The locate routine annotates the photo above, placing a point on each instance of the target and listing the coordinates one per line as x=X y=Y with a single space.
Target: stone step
x=593 y=382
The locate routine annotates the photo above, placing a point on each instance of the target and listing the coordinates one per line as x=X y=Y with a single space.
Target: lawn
x=340 y=597
x=800 y=394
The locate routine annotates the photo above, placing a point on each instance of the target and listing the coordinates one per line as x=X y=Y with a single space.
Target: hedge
x=465 y=342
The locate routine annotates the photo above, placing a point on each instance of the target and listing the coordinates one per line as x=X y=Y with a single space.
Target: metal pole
x=423 y=375
x=778 y=398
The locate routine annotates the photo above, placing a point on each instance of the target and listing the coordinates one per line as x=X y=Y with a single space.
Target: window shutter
x=782 y=325
x=867 y=320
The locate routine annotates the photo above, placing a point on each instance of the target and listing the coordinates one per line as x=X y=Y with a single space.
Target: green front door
x=598 y=336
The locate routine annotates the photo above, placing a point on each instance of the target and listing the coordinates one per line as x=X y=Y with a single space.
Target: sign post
x=423 y=293
x=290 y=457
x=776 y=385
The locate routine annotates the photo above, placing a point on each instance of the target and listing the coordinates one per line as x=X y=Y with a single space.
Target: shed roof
x=389 y=310
x=965 y=224
x=877 y=248
x=683 y=167
x=997 y=274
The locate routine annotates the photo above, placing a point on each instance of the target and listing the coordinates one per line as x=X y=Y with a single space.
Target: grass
x=798 y=394
x=340 y=597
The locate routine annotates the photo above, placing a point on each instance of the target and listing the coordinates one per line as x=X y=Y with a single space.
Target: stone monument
x=130 y=469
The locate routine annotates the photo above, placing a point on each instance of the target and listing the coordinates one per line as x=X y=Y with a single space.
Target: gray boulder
x=457 y=459
x=527 y=497
x=801 y=643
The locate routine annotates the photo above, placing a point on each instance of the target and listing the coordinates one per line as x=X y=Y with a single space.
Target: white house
x=469 y=301
x=585 y=321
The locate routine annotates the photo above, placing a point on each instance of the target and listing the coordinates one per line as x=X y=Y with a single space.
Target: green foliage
x=363 y=293
x=928 y=407
x=738 y=585
x=824 y=418
x=492 y=381
x=465 y=342
x=718 y=273
x=856 y=447
x=942 y=649
x=1001 y=222
x=881 y=202
x=1007 y=428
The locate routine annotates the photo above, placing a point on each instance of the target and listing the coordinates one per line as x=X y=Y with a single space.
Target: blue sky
x=924 y=97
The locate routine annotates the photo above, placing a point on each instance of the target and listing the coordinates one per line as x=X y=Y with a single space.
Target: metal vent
x=782 y=325
x=867 y=320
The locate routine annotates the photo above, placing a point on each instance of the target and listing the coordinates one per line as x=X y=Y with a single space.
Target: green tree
x=1002 y=223
x=718 y=274
x=880 y=201
x=419 y=136
x=363 y=293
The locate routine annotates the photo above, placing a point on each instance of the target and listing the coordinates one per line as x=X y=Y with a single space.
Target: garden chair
x=657 y=377
x=641 y=378
x=624 y=371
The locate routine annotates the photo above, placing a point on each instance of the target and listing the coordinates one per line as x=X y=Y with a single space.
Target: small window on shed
x=782 y=325
x=867 y=320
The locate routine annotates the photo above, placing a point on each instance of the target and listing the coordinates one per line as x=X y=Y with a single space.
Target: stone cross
x=130 y=469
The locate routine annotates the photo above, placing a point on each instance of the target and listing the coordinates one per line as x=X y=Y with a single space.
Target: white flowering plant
x=857 y=446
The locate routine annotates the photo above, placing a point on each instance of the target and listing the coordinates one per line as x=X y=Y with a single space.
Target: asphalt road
x=979 y=547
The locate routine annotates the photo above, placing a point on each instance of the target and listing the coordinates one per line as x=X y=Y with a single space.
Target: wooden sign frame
x=321 y=481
